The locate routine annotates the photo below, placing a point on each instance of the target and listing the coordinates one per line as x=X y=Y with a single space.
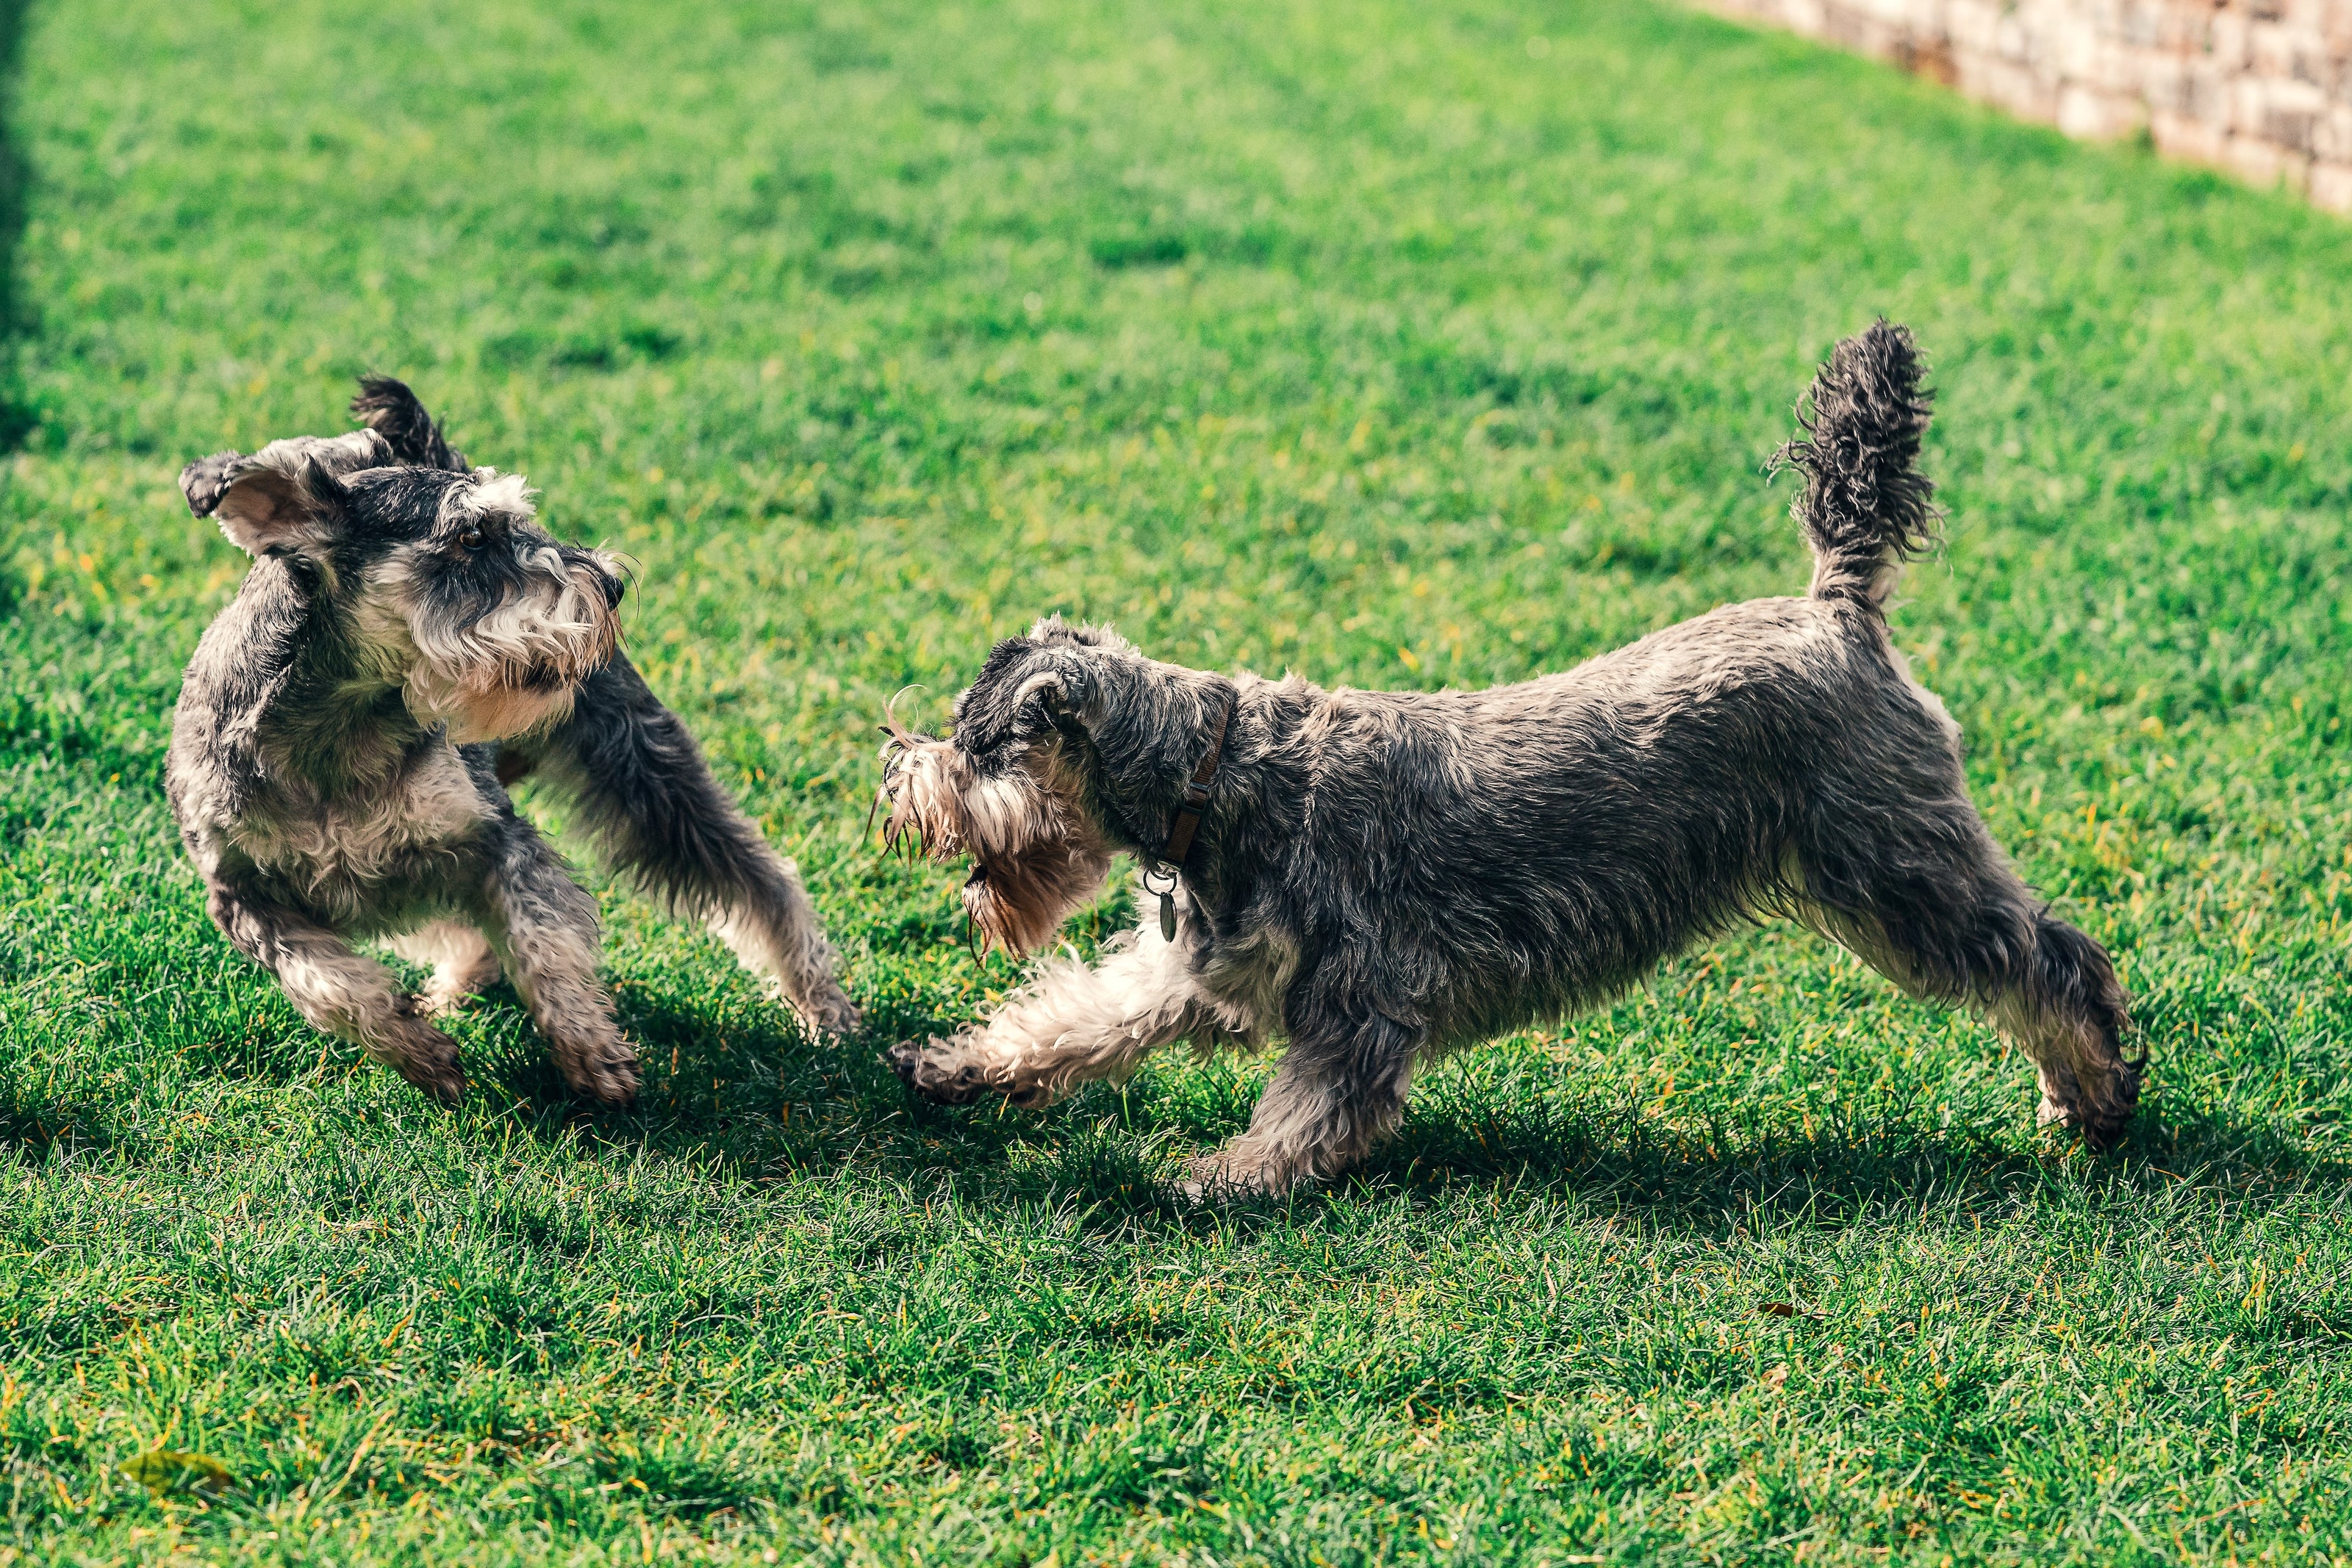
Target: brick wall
x=2262 y=87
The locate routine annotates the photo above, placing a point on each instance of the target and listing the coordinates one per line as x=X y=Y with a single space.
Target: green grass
x=1375 y=341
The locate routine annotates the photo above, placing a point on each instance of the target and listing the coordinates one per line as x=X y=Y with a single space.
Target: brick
x=2225 y=40
x=2270 y=49
x=2012 y=40
x=2206 y=93
x=2017 y=89
x=2255 y=160
x=2331 y=186
x=2186 y=137
x=2291 y=112
x=2069 y=47
x=2183 y=31
x=1849 y=28
x=2094 y=116
x=1974 y=27
x=2140 y=27
x=2332 y=139
x=2262 y=87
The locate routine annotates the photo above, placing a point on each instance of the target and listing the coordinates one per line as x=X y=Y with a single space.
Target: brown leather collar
x=1187 y=820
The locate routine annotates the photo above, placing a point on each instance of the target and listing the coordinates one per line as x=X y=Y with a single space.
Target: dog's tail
x=1865 y=507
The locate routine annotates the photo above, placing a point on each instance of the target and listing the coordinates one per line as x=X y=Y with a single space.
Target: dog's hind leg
x=2067 y=1010
x=464 y=966
x=344 y=992
x=647 y=797
x=1072 y=1024
x=543 y=925
x=1339 y=1090
x=1944 y=916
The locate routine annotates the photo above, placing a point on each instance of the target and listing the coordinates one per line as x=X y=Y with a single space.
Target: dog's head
x=1069 y=747
x=442 y=581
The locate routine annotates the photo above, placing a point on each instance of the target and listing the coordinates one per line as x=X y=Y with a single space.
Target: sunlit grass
x=1372 y=342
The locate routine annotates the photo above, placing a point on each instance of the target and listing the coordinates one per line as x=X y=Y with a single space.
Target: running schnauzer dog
x=1381 y=877
x=408 y=642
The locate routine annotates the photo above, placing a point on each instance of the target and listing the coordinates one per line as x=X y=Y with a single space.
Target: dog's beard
x=484 y=712
x=516 y=668
x=1035 y=854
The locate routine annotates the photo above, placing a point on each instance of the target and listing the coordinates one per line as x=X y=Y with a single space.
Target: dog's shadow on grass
x=35 y=1127
x=1720 y=1180
x=752 y=1092
x=730 y=1077
x=735 y=1079
x=727 y=1074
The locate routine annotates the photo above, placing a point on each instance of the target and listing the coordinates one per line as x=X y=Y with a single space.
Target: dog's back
x=1578 y=827
x=1381 y=875
x=1573 y=830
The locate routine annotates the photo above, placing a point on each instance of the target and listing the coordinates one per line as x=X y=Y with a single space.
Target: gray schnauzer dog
x=1382 y=877
x=409 y=642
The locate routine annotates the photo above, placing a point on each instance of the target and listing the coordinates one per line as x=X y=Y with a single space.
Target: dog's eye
x=470 y=540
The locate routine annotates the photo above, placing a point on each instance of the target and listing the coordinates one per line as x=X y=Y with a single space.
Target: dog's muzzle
x=516 y=668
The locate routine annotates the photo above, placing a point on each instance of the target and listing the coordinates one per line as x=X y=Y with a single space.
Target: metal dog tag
x=1167 y=916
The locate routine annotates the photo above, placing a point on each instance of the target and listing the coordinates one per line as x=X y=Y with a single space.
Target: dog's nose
x=614 y=588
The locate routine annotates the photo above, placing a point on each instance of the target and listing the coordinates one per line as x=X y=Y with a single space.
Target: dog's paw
x=827 y=1009
x=2098 y=1110
x=1229 y=1176
x=436 y=1001
x=833 y=1014
x=423 y=1055
x=608 y=1076
x=933 y=1079
x=445 y=1086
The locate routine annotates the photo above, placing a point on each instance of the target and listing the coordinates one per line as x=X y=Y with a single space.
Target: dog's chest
x=367 y=834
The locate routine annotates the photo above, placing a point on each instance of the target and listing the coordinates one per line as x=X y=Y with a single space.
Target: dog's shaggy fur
x=1379 y=877
x=408 y=641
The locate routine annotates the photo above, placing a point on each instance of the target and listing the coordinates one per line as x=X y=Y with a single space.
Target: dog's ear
x=264 y=506
x=1022 y=691
x=387 y=407
x=286 y=497
x=1055 y=687
x=205 y=480
x=267 y=509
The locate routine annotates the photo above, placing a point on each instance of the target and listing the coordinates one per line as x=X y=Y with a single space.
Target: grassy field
x=1404 y=345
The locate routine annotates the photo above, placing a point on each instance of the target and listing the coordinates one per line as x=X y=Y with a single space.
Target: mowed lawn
x=1406 y=345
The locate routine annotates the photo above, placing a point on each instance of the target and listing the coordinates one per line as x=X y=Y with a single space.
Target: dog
x=1382 y=877
x=409 y=642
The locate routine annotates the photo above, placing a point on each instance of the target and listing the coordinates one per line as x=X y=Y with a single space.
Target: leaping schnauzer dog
x=1382 y=877
x=408 y=641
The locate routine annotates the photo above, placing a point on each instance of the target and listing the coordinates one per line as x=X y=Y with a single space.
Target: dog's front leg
x=644 y=789
x=1069 y=1025
x=543 y=925
x=1340 y=1090
x=344 y=993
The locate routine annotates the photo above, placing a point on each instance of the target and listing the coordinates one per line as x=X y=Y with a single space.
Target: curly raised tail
x=1865 y=508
